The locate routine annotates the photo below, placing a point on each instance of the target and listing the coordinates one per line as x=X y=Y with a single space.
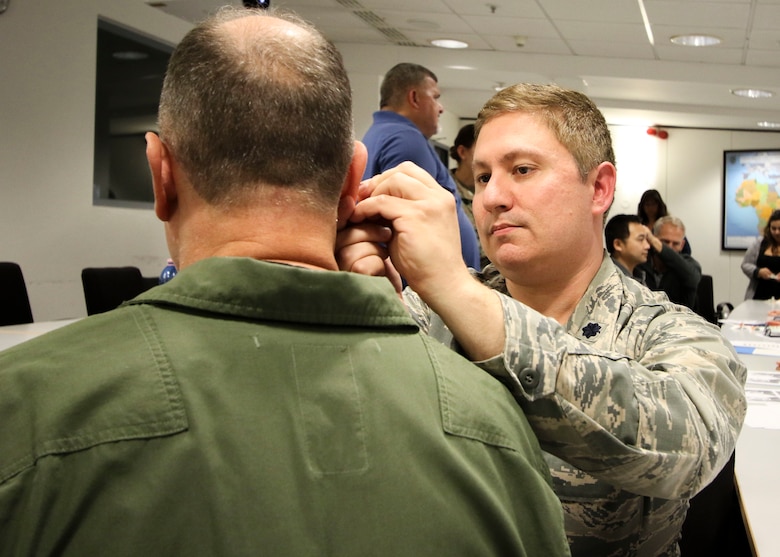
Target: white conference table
x=758 y=447
x=11 y=335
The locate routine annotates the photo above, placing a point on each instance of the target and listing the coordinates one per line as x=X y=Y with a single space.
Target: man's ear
x=349 y=190
x=412 y=98
x=163 y=184
x=604 y=187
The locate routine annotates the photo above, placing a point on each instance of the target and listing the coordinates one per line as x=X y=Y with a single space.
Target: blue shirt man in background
x=408 y=117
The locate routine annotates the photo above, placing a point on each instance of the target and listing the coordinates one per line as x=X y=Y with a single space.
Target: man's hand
x=425 y=241
x=361 y=248
x=654 y=242
x=424 y=244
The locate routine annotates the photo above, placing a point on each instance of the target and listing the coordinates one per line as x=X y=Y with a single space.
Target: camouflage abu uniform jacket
x=637 y=401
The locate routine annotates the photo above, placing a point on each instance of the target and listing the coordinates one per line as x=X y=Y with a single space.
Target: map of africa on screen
x=751 y=193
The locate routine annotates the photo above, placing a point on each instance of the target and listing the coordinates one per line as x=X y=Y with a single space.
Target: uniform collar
x=252 y=289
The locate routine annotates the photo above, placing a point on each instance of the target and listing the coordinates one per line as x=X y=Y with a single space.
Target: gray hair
x=668 y=219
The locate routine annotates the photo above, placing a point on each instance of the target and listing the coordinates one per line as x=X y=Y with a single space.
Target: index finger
x=404 y=180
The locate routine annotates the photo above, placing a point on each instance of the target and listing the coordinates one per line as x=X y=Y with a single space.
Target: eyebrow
x=508 y=156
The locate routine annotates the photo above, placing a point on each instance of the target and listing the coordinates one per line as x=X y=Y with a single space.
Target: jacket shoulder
x=476 y=405
x=100 y=380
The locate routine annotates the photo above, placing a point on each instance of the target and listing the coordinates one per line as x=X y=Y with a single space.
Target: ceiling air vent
x=378 y=23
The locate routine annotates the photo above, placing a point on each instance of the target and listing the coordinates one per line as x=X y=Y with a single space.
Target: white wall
x=47 y=222
x=50 y=227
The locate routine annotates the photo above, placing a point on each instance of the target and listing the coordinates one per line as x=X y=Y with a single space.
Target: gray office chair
x=14 y=302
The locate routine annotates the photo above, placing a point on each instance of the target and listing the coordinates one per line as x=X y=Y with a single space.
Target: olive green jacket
x=250 y=408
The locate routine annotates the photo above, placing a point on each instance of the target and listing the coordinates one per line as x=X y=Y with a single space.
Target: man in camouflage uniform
x=637 y=402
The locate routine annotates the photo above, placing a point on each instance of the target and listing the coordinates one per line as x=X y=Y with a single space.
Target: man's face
x=533 y=213
x=633 y=250
x=672 y=236
x=429 y=107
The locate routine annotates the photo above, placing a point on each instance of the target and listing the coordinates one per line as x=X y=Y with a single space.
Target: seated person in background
x=667 y=268
x=637 y=402
x=651 y=208
x=407 y=118
x=260 y=402
x=626 y=240
x=761 y=263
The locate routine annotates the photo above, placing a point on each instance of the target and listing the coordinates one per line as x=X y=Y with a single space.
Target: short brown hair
x=242 y=110
x=398 y=80
x=574 y=119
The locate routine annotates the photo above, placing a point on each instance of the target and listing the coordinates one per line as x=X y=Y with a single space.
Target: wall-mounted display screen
x=751 y=191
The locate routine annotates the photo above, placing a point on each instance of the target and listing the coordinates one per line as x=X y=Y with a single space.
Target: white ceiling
x=597 y=46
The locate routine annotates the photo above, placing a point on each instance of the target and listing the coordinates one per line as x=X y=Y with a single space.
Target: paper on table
x=739 y=323
x=757 y=347
x=763 y=397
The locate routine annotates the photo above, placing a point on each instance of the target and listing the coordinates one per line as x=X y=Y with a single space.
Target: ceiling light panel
x=696 y=40
x=752 y=93
x=449 y=43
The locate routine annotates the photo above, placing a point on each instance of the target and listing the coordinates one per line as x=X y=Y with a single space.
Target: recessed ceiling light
x=456 y=67
x=769 y=124
x=449 y=43
x=753 y=93
x=695 y=40
x=130 y=55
